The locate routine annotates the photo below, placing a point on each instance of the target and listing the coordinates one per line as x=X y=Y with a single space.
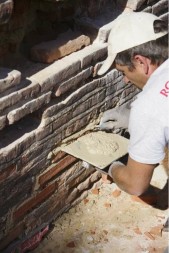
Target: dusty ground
x=106 y=223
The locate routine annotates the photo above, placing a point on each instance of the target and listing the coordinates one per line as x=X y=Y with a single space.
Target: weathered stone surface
x=8 y=78
x=65 y=44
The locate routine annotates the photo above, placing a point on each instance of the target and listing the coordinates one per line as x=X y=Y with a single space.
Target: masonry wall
x=41 y=112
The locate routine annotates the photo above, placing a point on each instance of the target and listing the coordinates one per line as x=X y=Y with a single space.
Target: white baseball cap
x=129 y=30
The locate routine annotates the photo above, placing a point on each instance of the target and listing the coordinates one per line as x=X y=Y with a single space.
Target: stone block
x=9 y=100
x=65 y=44
x=73 y=82
x=28 y=108
x=8 y=78
x=31 y=90
x=20 y=189
x=91 y=54
x=57 y=72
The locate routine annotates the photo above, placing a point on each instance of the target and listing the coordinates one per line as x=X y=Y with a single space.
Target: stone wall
x=41 y=110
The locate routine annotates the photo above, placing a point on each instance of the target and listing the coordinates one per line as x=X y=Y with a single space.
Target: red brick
x=8 y=172
x=58 y=156
x=32 y=203
x=56 y=169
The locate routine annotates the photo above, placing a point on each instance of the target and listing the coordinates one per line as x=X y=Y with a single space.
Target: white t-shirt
x=149 y=119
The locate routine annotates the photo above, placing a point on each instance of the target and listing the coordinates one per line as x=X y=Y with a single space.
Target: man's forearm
x=121 y=177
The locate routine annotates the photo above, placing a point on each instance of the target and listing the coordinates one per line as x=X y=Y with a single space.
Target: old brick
x=13 y=234
x=32 y=89
x=58 y=156
x=52 y=172
x=9 y=100
x=67 y=43
x=57 y=72
x=20 y=189
x=36 y=200
x=91 y=54
x=3 y=121
x=6 y=9
x=28 y=108
x=9 y=78
x=8 y=172
x=73 y=82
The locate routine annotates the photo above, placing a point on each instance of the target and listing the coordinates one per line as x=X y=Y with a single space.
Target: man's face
x=135 y=76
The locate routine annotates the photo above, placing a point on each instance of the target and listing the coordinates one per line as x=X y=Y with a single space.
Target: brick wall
x=41 y=112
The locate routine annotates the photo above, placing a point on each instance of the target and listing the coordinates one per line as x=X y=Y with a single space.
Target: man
x=138 y=46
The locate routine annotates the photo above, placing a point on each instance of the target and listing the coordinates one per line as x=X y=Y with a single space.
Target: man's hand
x=115 y=118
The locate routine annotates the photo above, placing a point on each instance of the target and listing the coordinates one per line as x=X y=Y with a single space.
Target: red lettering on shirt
x=165 y=91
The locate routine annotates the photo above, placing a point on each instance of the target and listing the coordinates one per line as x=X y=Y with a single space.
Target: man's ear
x=143 y=62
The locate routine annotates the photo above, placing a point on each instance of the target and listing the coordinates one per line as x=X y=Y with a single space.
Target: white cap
x=129 y=30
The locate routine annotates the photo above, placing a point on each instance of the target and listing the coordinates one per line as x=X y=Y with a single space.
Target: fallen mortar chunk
x=105 y=232
x=71 y=244
x=95 y=191
x=157 y=230
x=93 y=232
x=150 y=236
x=9 y=78
x=116 y=193
x=107 y=205
x=86 y=201
x=137 y=231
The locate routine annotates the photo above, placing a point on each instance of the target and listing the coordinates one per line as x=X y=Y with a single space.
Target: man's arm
x=134 y=178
